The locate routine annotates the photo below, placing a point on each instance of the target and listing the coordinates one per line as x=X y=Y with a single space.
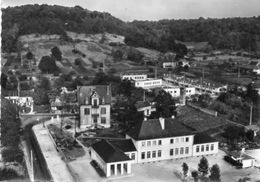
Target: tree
x=234 y=133
x=78 y=61
x=3 y=80
x=165 y=105
x=195 y=175
x=56 y=53
x=203 y=166
x=250 y=135
x=215 y=173
x=45 y=83
x=185 y=169
x=40 y=96
x=47 y=65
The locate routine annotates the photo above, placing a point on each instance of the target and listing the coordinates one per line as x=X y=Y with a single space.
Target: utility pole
x=144 y=95
x=251 y=113
x=155 y=71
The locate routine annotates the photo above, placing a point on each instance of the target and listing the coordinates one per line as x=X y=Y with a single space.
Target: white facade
x=149 y=83
x=257 y=71
x=135 y=77
x=189 y=91
x=112 y=168
x=163 y=148
x=205 y=149
x=147 y=110
x=169 y=64
x=173 y=91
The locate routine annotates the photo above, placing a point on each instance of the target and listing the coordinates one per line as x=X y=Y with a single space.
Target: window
x=182 y=139
x=207 y=147
x=87 y=111
x=187 y=139
x=186 y=150
x=159 y=142
x=198 y=149
x=133 y=156
x=154 y=142
x=103 y=120
x=143 y=144
x=154 y=154
x=171 y=152
x=103 y=110
x=181 y=150
x=172 y=140
x=202 y=148
x=159 y=153
x=148 y=154
x=95 y=102
x=176 y=151
x=177 y=140
x=143 y=155
x=212 y=147
x=149 y=143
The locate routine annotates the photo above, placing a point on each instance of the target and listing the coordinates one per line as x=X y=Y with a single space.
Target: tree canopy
x=48 y=65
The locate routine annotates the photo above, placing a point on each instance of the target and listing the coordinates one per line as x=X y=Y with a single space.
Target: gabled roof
x=203 y=138
x=108 y=152
x=103 y=91
x=124 y=145
x=151 y=128
x=240 y=155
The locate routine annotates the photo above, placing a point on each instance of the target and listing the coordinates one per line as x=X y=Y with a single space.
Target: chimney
x=162 y=122
x=108 y=87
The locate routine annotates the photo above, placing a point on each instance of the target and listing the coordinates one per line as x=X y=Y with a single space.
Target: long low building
x=149 y=83
x=134 y=76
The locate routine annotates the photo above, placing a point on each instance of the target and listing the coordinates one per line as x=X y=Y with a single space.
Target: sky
x=129 y=10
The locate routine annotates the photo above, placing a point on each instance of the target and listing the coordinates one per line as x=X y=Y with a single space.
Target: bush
x=7 y=174
x=12 y=154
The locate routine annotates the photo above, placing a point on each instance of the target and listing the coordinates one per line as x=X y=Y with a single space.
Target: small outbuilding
x=243 y=159
x=114 y=157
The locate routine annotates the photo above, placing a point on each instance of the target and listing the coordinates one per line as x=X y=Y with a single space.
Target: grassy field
x=198 y=120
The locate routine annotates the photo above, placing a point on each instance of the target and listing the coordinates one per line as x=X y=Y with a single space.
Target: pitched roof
x=150 y=129
x=203 y=138
x=124 y=145
x=239 y=154
x=85 y=92
x=108 y=152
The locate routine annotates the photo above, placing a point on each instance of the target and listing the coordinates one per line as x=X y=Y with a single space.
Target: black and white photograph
x=130 y=91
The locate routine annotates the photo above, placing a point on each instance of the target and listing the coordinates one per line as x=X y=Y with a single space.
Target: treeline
x=230 y=33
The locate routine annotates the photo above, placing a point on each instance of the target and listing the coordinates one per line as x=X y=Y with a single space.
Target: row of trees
x=10 y=138
x=230 y=33
x=204 y=169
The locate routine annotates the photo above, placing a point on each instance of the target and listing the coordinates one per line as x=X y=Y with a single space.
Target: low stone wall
x=207 y=111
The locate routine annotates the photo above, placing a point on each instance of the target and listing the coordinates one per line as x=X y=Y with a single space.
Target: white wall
x=164 y=147
x=174 y=91
x=189 y=91
x=205 y=152
x=87 y=120
x=248 y=163
x=149 y=83
x=134 y=77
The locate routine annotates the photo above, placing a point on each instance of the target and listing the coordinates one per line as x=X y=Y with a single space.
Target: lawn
x=198 y=120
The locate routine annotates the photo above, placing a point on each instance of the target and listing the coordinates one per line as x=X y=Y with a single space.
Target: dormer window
x=95 y=99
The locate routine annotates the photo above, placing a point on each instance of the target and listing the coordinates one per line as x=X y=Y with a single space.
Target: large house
x=150 y=141
x=94 y=106
x=146 y=107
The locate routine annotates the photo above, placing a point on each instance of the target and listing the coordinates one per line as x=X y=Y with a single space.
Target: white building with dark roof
x=114 y=157
x=146 y=107
x=164 y=139
x=94 y=106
